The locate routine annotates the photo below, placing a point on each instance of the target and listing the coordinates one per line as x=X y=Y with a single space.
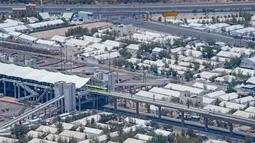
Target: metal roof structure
x=41 y=75
x=28 y=37
x=46 y=23
x=15 y=28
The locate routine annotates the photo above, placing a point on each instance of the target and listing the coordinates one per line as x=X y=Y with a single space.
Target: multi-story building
x=29 y=10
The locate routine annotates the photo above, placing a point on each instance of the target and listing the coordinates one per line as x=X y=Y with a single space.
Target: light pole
x=61 y=45
x=3 y=42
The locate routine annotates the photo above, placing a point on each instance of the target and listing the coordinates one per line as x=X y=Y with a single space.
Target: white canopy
x=41 y=75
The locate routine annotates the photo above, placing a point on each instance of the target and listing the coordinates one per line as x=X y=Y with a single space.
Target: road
x=181 y=31
x=135 y=7
x=205 y=113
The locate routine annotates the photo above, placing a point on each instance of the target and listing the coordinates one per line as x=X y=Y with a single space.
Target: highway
x=202 y=112
x=135 y=7
x=181 y=31
x=176 y=122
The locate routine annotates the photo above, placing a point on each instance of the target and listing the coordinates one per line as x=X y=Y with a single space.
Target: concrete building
x=29 y=10
x=4 y=37
x=123 y=29
x=191 y=98
x=156 y=50
x=248 y=63
x=70 y=97
x=133 y=48
x=30 y=62
x=85 y=16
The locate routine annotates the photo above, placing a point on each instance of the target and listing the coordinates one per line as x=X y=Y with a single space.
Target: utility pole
x=139 y=7
x=109 y=62
x=66 y=53
x=109 y=82
x=3 y=43
x=41 y=5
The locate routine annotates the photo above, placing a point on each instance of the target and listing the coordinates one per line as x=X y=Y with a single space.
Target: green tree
x=124 y=53
x=92 y=121
x=58 y=118
x=207 y=52
x=81 y=129
x=217 y=102
x=160 y=19
x=196 y=66
x=191 y=133
x=154 y=124
x=230 y=89
x=60 y=127
x=93 y=31
x=233 y=62
x=188 y=75
x=183 y=133
x=20 y=130
x=154 y=56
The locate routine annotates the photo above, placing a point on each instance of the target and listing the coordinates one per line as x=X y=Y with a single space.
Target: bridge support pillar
x=33 y=116
x=115 y=104
x=182 y=117
x=159 y=112
x=15 y=90
x=38 y=114
x=51 y=94
x=137 y=108
x=62 y=105
x=94 y=101
x=47 y=97
x=230 y=128
x=49 y=111
x=130 y=90
x=106 y=99
x=4 y=88
x=118 y=88
x=125 y=103
x=18 y=91
x=25 y=93
x=206 y=123
x=45 y=112
x=79 y=104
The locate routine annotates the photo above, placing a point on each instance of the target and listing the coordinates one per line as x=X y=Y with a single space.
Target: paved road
x=181 y=31
x=135 y=7
x=205 y=113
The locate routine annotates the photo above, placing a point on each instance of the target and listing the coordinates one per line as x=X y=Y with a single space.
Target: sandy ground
x=13 y=109
x=61 y=31
x=191 y=16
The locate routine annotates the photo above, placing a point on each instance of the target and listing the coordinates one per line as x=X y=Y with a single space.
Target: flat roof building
x=219 y=109
x=78 y=135
x=179 y=87
x=47 y=129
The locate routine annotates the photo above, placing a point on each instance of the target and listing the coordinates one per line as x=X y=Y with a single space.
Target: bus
x=98 y=88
